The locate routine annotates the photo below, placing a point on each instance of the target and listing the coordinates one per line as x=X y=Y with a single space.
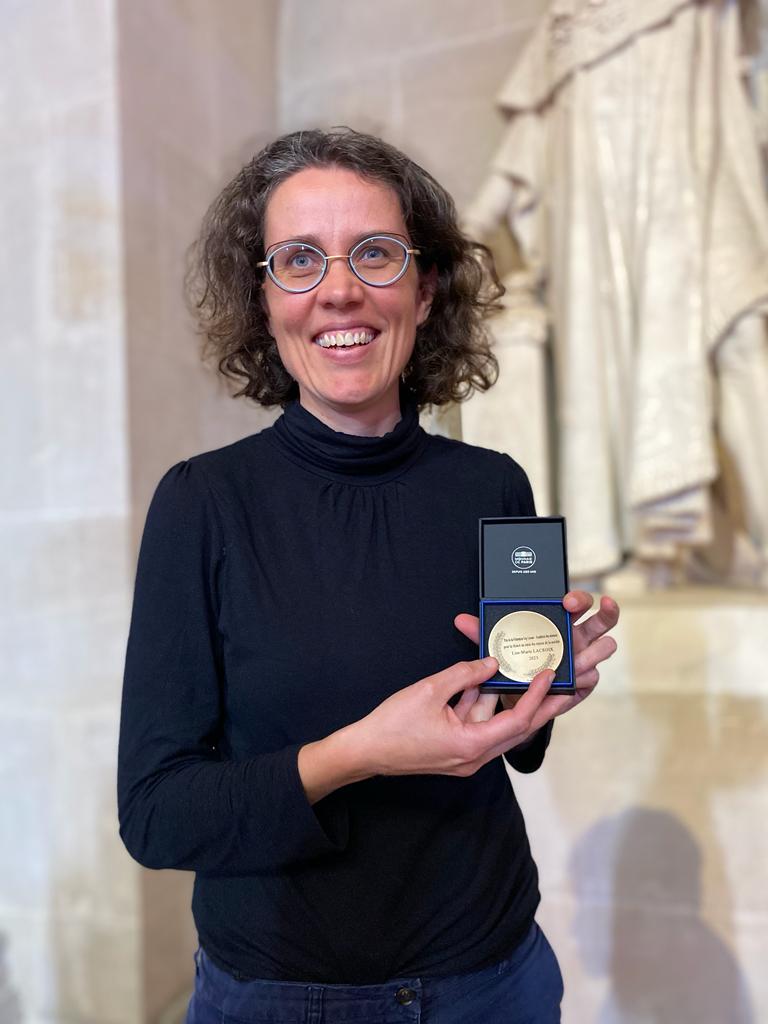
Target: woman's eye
x=297 y=260
x=301 y=261
x=372 y=252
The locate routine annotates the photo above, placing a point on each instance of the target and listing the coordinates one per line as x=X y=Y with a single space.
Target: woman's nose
x=340 y=287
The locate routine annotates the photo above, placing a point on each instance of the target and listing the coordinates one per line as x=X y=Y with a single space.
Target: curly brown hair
x=451 y=356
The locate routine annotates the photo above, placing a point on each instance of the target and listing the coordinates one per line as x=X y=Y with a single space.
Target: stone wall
x=119 y=122
x=68 y=900
x=423 y=76
x=196 y=99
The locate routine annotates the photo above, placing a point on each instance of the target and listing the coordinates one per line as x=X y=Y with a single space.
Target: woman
x=301 y=722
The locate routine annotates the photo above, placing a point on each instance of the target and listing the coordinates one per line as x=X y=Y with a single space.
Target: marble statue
x=630 y=175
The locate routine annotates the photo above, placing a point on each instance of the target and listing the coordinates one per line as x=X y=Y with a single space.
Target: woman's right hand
x=417 y=732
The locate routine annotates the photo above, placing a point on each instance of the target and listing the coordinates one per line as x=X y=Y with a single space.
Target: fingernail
x=489 y=662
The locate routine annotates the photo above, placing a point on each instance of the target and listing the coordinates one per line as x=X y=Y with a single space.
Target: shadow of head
x=637 y=877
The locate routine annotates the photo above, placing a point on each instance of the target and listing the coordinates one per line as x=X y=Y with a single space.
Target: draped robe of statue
x=630 y=175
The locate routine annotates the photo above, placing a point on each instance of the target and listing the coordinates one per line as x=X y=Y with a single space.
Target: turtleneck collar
x=309 y=442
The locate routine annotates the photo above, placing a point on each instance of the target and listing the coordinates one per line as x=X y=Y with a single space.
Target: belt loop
x=315 y=1003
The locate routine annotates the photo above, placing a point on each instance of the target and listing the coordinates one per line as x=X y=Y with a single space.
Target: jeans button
x=405 y=996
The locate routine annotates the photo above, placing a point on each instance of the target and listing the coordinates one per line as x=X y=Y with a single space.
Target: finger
x=586 y=683
x=483 y=708
x=468 y=699
x=461 y=676
x=469 y=625
x=596 y=625
x=577 y=602
x=552 y=706
x=557 y=704
x=547 y=709
x=531 y=698
x=508 y=724
x=599 y=650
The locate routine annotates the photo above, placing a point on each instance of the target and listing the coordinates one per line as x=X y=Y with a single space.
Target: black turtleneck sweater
x=287 y=584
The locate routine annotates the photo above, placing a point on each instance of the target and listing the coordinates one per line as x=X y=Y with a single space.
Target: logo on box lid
x=523 y=557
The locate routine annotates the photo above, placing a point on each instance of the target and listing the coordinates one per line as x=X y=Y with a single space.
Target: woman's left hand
x=591 y=646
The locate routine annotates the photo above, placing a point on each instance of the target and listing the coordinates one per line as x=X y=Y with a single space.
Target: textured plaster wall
x=422 y=75
x=197 y=99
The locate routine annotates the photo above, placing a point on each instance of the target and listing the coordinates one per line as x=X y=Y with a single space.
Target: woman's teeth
x=335 y=339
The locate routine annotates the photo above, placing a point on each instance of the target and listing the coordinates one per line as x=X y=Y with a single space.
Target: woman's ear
x=427 y=288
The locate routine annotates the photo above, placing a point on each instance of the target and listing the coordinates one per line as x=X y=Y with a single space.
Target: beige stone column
x=119 y=122
x=68 y=897
x=197 y=99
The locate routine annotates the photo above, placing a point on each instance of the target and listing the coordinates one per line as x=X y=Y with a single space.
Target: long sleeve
x=528 y=757
x=181 y=803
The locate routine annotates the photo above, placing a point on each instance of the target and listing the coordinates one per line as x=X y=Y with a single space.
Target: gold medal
x=525 y=643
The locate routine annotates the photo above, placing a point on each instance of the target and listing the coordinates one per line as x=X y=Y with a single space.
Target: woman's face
x=351 y=388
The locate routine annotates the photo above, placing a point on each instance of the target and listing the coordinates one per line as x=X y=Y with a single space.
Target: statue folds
x=630 y=175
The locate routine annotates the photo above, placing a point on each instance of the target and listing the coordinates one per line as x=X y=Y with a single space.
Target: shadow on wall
x=10 y=1006
x=638 y=922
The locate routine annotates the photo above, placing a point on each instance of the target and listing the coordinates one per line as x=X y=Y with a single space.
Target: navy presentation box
x=524 y=569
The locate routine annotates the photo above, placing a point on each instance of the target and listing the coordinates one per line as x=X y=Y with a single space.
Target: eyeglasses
x=299 y=267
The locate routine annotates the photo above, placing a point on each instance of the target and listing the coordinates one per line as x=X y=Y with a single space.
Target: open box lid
x=523 y=557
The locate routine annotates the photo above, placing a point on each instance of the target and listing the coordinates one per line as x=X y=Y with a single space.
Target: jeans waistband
x=397 y=1001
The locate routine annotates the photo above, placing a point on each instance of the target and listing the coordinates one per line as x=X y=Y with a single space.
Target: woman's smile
x=345 y=337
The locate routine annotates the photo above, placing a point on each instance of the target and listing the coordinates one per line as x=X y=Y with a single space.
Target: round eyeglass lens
x=297 y=266
x=379 y=260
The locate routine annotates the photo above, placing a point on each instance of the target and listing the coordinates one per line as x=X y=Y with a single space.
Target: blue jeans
x=526 y=988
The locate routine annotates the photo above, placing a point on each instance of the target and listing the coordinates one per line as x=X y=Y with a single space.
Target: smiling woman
x=342 y=381
x=302 y=724
x=230 y=264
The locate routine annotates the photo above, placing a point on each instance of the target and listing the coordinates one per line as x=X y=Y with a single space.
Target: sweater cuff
x=529 y=756
x=323 y=826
